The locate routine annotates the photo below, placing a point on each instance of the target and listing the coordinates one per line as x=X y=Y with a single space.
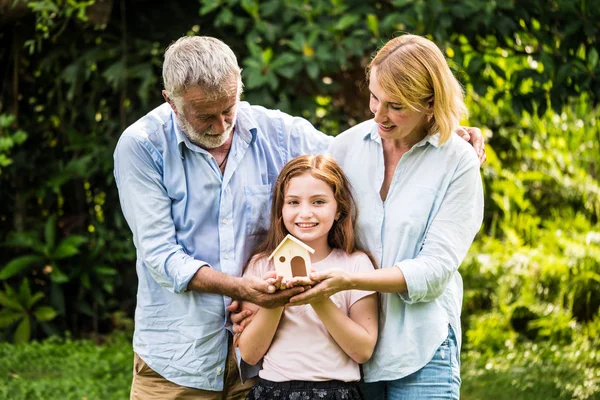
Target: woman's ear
x=429 y=109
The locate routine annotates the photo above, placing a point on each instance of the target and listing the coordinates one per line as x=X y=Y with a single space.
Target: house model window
x=292 y=258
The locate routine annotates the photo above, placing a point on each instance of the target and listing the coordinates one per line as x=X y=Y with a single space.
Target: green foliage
x=44 y=253
x=21 y=309
x=532 y=278
x=66 y=369
x=8 y=139
x=48 y=13
x=531 y=73
x=534 y=54
x=535 y=371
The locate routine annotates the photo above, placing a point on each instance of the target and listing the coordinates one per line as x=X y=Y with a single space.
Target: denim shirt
x=184 y=214
x=425 y=226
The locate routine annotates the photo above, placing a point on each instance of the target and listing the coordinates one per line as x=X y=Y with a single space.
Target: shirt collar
x=245 y=125
x=434 y=139
x=245 y=129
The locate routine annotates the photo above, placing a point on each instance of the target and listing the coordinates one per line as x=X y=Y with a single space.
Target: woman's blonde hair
x=413 y=71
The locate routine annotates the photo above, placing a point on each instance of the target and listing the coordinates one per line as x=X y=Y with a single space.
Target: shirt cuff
x=246 y=370
x=415 y=281
x=182 y=271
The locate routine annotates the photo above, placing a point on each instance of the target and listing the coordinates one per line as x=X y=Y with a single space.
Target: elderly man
x=194 y=178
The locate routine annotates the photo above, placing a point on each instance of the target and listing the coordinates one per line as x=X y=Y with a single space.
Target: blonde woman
x=419 y=192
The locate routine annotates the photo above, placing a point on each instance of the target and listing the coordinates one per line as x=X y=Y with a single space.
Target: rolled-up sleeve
x=448 y=237
x=147 y=209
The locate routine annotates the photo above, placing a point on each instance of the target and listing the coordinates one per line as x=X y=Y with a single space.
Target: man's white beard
x=208 y=139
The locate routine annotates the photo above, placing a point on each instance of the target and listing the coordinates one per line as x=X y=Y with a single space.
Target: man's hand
x=330 y=282
x=263 y=293
x=475 y=137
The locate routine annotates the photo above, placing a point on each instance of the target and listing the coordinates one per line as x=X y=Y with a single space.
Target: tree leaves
x=69 y=247
x=19 y=264
x=23 y=332
x=44 y=313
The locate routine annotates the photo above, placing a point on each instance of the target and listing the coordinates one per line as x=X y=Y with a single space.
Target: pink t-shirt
x=302 y=348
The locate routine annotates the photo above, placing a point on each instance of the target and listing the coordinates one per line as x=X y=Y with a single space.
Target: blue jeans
x=438 y=379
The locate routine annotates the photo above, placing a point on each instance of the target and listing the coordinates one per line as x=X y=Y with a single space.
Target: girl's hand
x=300 y=281
x=272 y=279
x=329 y=282
x=241 y=314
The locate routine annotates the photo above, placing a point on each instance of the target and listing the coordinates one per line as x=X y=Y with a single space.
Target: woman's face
x=395 y=121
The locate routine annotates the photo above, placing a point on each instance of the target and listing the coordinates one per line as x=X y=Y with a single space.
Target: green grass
x=80 y=369
x=66 y=369
x=533 y=371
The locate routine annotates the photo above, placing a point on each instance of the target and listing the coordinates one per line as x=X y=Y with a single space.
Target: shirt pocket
x=418 y=208
x=258 y=208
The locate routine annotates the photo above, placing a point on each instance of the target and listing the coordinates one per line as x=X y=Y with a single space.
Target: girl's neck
x=322 y=250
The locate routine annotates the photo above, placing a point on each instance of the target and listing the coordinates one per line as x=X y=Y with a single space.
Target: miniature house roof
x=293 y=239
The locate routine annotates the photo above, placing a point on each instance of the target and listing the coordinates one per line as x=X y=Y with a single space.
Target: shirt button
x=219 y=370
x=224 y=221
x=226 y=256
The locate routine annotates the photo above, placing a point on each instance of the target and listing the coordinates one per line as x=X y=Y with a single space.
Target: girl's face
x=309 y=210
x=395 y=121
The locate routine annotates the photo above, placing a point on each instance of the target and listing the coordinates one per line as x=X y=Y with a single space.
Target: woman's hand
x=329 y=282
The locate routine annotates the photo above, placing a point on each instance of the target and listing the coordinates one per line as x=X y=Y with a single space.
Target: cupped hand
x=262 y=293
x=300 y=281
x=272 y=279
x=329 y=282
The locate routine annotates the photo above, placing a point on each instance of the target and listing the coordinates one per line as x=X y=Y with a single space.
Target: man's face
x=207 y=121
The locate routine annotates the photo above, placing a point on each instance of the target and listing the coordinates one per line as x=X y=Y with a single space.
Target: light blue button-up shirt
x=432 y=212
x=185 y=214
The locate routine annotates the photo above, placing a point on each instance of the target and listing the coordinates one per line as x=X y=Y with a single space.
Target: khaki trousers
x=149 y=385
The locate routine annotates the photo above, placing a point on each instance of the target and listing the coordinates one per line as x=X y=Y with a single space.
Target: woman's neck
x=404 y=144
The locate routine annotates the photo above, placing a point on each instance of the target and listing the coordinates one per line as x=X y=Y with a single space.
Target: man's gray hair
x=199 y=61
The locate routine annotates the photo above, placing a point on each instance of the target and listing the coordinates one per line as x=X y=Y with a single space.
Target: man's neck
x=221 y=153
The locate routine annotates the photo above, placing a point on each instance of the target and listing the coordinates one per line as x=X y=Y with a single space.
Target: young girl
x=312 y=351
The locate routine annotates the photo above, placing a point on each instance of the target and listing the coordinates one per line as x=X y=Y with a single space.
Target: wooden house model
x=292 y=258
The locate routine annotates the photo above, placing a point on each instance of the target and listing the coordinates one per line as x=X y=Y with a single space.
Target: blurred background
x=74 y=74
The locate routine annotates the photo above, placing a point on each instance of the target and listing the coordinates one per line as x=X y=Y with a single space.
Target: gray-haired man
x=194 y=178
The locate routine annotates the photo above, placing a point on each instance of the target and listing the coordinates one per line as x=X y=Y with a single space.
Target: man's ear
x=170 y=101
